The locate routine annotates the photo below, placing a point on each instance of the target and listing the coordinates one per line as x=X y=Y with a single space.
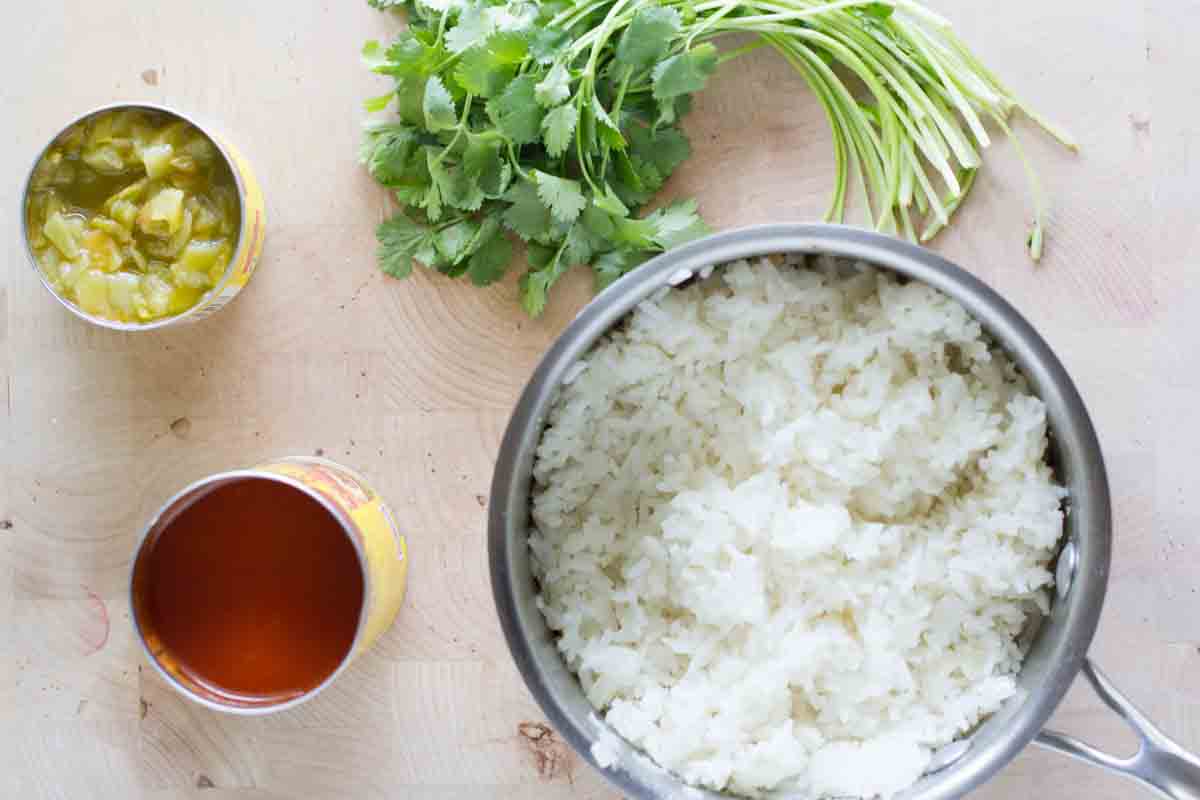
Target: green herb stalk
x=558 y=121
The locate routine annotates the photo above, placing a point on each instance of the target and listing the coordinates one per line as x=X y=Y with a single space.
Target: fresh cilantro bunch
x=557 y=120
x=510 y=121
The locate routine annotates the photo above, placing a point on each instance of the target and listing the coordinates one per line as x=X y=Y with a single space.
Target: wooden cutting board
x=411 y=383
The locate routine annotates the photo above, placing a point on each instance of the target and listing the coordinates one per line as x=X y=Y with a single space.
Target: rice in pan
x=789 y=522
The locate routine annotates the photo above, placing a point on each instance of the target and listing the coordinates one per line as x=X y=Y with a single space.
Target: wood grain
x=412 y=384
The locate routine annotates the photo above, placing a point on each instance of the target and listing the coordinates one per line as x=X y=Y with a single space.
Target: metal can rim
x=213 y=481
x=230 y=161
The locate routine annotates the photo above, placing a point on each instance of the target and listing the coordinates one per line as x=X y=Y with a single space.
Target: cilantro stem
x=1035 y=189
x=446 y=62
x=615 y=112
x=967 y=179
x=458 y=130
x=572 y=15
x=972 y=63
x=441 y=31
x=516 y=164
x=602 y=35
x=584 y=161
x=797 y=14
x=620 y=99
x=450 y=223
x=729 y=55
x=711 y=20
x=837 y=203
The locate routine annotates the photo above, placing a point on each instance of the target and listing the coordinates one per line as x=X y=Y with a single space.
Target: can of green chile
x=250 y=229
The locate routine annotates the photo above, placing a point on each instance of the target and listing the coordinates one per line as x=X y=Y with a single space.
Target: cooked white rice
x=789 y=522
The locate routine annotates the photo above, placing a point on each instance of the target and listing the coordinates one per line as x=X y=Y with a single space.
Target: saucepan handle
x=1159 y=762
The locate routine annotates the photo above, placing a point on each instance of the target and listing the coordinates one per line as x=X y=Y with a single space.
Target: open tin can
x=250 y=230
x=252 y=590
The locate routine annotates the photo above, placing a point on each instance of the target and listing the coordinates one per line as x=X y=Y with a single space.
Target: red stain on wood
x=551 y=757
x=95 y=626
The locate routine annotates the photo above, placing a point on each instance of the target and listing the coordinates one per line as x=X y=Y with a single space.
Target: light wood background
x=412 y=384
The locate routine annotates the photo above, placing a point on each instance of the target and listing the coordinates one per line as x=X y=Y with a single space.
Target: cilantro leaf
x=458 y=190
x=515 y=17
x=374 y=105
x=410 y=99
x=557 y=128
x=547 y=265
x=533 y=288
x=540 y=256
x=486 y=68
x=389 y=151
x=399 y=239
x=684 y=73
x=661 y=230
x=409 y=56
x=665 y=148
x=489 y=226
x=516 y=113
x=474 y=25
x=452 y=242
x=438 y=106
x=672 y=110
x=508 y=46
x=449 y=185
x=445 y=167
x=374 y=57
x=410 y=195
x=490 y=261
x=555 y=87
x=676 y=224
x=647 y=38
x=481 y=73
x=577 y=247
x=610 y=134
x=613 y=264
x=467 y=195
x=635 y=233
x=483 y=163
x=527 y=216
x=547 y=43
x=598 y=222
x=651 y=178
x=563 y=196
x=876 y=10
x=432 y=201
x=558 y=231
x=439 y=6
x=641 y=108
x=634 y=178
x=609 y=202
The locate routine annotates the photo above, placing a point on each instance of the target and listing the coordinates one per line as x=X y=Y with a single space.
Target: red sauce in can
x=252 y=593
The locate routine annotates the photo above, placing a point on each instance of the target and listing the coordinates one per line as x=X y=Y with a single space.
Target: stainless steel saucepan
x=1059 y=650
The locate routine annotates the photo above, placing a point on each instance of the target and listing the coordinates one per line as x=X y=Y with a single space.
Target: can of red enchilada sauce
x=252 y=590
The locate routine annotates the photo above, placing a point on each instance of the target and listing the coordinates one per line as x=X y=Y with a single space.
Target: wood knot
x=552 y=759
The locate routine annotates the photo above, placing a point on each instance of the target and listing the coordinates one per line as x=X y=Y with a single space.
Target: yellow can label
x=253 y=233
x=382 y=543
